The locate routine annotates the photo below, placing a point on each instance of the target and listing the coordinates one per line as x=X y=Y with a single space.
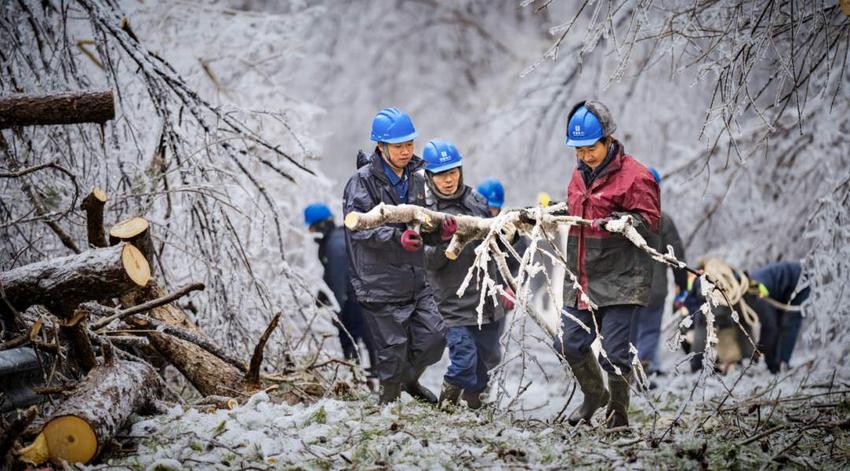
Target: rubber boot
x=389 y=393
x=589 y=377
x=419 y=392
x=618 y=406
x=473 y=400
x=449 y=395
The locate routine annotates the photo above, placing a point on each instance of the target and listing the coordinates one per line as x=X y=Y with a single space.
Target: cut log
x=81 y=426
x=93 y=206
x=62 y=283
x=134 y=231
x=57 y=108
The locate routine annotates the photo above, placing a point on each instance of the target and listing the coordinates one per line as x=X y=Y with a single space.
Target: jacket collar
x=377 y=167
x=613 y=162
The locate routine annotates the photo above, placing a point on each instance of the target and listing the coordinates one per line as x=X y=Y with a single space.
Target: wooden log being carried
x=99 y=406
x=57 y=108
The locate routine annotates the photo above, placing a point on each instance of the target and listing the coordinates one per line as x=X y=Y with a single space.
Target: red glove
x=448 y=227
x=411 y=240
x=599 y=224
x=507 y=302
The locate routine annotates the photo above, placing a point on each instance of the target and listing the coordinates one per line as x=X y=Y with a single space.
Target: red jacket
x=610 y=269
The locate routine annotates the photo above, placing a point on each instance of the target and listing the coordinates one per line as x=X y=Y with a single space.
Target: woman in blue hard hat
x=473 y=349
x=387 y=263
x=607 y=183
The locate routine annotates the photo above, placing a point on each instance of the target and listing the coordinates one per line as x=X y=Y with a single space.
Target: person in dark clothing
x=332 y=255
x=773 y=298
x=616 y=276
x=473 y=349
x=647 y=331
x=387 y=263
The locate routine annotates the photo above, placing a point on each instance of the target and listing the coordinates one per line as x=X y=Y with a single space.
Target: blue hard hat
x=655 y=174
x=493 y=190
x=440 y=156
x=392 y=126
x=584 y=128
x=316 y=212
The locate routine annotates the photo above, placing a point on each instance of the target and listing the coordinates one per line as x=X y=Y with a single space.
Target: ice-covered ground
x=344 y=432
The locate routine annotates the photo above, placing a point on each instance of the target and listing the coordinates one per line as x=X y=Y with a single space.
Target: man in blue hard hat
x=474 y=348
x=494 y=192
x=387 y=263
x=332 y=255
x=647 y=331
x=613 y=276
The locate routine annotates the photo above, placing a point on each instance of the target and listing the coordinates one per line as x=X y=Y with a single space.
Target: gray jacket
x=381 y=270
x=668 y=235
x=446 y=276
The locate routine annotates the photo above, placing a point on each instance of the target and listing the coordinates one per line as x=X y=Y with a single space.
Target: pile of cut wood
x=86 y=337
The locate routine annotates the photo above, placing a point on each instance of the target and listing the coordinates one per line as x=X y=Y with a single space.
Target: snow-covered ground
x=354 y=432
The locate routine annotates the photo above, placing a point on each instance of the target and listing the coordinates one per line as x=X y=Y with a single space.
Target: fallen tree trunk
x=57 y=108
x=209 y=374
x=62 y=283
x=80 y=427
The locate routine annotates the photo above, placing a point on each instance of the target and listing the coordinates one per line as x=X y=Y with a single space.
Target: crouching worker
x=616 y=275
x=387 y=263
x=473 y=350
x=332 y=255
x=768 y=300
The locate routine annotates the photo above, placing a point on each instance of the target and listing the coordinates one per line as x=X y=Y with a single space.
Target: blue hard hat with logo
x=493 y=190
x=392 y=126
x=655 y=175
x=584 y=128
x=440 y=156
x=316 y=212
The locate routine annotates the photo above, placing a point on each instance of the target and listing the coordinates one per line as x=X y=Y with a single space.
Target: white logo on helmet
x=577 y=132
x=444 y=156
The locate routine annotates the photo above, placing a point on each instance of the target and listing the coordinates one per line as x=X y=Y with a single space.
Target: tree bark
x=80 y=427
x=74 y=328
x=62 y=283
x=57 y=108
x=209 y=374
x=93 y=206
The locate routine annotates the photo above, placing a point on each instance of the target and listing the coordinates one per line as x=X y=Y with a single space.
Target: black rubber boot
x=473 y=400
x=419 y=392
x=449 y=395
x=589 y=377
x=618 y=406
x=389 y=393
